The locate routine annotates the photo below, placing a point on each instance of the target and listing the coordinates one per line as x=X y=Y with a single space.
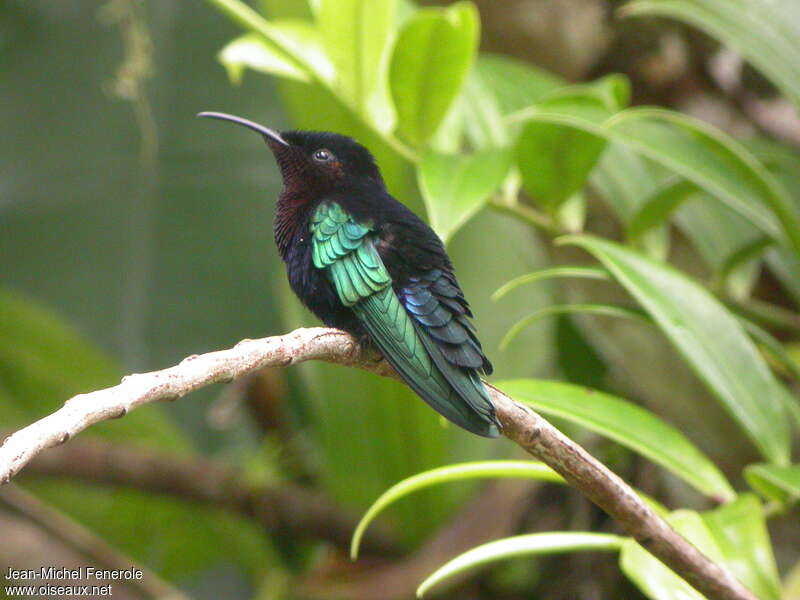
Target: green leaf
x=555 y=160
x=727 y=243
x=612 y=92
x=782 y=160
x=745 y=260
x=523 y=545
x=716 y=162
x=481 y=116
x=784 y=163
x=251 y=51
x=520 y=469
x=497 y=86
x=771 y=345
x=709 y=337
x=786 y=267
x=765 y=33
x=694 y=150
x=578 y=361
x=606 y=310
x=718 y=234
x=555 y=156
x=775 y=482
x=625 y=179
x=627 y=424
x=659 y=206
x=356 y=35
x=741 y=534
x=716 y=231
x=515 y=84
x=285 y=44
x=792 y=404
x=432 y=57
x=551 y=273
x=456 y=186
x=654 y=578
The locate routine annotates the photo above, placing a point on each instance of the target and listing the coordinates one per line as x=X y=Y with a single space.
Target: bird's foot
x=363 y=341
x=371 y=353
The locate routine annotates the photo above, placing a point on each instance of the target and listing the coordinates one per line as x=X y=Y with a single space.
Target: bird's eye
x=322 y=155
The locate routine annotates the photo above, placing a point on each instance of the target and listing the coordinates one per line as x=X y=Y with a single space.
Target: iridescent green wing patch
x=344 y=248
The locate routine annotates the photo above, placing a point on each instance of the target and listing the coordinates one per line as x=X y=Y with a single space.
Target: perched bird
x=363 y=262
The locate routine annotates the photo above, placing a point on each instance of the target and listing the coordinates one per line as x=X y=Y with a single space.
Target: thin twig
x=520 y=424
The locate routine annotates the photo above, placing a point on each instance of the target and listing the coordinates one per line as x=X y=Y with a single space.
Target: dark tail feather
x=455 y=393
x=466 y=384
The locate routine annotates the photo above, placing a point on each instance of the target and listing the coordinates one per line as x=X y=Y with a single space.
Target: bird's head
x=313 y=160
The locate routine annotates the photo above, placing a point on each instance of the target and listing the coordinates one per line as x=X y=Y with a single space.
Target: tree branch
x=281 y=509
x=520 y=424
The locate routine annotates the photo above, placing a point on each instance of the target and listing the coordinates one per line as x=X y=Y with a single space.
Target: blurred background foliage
x=134 y=235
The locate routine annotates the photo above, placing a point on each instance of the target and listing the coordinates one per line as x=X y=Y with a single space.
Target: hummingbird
x=363 y=262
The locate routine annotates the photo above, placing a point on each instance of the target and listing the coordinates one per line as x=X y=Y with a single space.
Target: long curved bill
x=269 y=134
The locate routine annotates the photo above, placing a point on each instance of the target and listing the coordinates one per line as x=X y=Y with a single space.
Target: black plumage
x=363 y=262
